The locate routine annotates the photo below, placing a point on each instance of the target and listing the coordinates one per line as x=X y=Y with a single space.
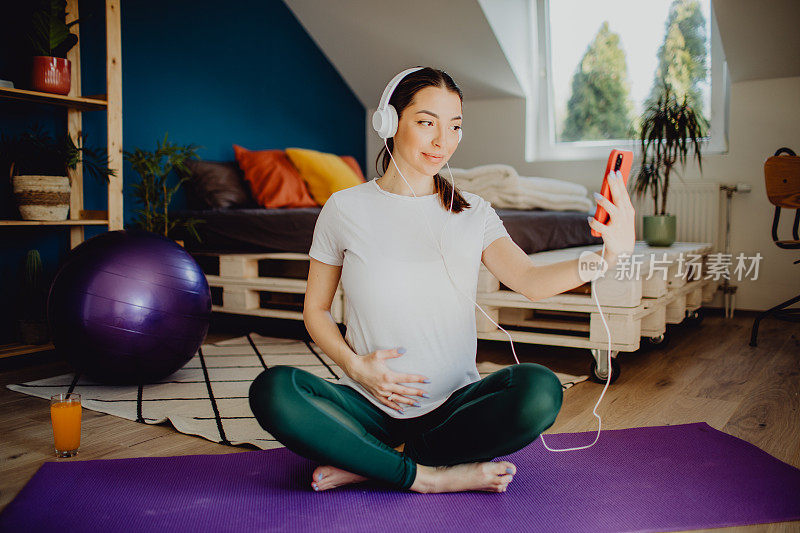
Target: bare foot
x=328 y=477
x=488 y=476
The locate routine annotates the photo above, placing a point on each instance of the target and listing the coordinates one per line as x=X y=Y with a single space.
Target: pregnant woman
x=411 y=411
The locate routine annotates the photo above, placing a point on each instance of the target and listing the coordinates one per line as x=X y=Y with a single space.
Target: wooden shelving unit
x=69 y=222
x=85 y=218
x=10 y=350
x=84 y=103
x=76 y=105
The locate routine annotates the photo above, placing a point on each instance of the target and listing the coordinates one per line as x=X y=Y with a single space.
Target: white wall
x=764 y=116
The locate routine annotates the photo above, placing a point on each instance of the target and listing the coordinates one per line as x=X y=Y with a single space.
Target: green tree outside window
x=682 y=57
x=600 y=106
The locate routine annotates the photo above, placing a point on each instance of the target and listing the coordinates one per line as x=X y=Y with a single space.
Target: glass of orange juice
x=65 y=412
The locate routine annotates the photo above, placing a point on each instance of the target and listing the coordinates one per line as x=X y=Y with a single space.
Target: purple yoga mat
x=641 y=479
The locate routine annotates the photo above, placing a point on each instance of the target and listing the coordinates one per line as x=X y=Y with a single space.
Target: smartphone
x=618 y=160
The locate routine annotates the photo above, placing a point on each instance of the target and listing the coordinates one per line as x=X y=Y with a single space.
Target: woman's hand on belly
x=372 y=373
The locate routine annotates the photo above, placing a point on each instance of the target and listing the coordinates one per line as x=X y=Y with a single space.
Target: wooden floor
x=705 y=373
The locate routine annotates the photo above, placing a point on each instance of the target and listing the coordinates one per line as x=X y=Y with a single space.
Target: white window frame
x=540 y=142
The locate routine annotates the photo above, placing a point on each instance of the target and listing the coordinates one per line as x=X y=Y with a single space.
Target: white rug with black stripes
x=217 y=409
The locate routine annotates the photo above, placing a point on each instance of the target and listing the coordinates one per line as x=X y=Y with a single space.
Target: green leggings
x=334 y=424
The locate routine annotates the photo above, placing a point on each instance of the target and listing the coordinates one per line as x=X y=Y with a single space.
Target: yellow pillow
x=323 y=173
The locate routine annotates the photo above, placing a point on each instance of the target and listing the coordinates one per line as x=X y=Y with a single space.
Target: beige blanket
x=504 y=188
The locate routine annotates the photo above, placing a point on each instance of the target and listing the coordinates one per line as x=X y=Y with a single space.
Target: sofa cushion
x=323 y=173
x=353 y=164
x=216 y=184
x=273 y=180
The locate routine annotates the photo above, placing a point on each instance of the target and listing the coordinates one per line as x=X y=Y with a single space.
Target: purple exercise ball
x=129 y=307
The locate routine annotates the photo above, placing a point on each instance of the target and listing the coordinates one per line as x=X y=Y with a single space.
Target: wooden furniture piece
x=274 y=284
x=638 y=304
x=76 y=104
x=261 y=284
x=782 y=181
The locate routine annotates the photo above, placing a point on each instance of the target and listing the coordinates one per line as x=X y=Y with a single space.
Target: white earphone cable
x=444 y=260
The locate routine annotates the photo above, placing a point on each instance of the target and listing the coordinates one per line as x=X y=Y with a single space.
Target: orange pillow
x=273 y=179
x=352 y=163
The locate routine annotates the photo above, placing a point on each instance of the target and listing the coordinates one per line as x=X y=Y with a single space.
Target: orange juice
x=66 y=417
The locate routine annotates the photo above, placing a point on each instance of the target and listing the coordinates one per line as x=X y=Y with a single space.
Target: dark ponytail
x=401 y=98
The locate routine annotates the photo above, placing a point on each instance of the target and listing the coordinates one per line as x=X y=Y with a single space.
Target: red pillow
x=352 y=163
x=273 y=179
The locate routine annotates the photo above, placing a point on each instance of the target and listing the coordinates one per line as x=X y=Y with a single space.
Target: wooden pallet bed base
x=627 y=324
x=273 y=285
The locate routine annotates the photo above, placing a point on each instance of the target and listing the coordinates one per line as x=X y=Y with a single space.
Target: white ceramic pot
x=42 y=197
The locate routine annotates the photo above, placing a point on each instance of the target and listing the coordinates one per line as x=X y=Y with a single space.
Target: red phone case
x=625 y=168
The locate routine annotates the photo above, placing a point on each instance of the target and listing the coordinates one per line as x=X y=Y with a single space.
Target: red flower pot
x=51 y=75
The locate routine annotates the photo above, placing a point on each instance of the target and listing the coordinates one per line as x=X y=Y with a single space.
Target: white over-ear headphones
x=384 y=119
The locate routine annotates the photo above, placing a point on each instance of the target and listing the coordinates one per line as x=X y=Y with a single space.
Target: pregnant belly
x=445 y=378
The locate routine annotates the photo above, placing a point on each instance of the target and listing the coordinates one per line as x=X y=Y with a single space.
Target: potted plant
x=51 y=40
x=670 y=129
x=152 y=191
x=33 y=300
x=37 y=165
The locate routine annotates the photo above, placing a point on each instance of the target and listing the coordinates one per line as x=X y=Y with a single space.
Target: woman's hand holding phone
x=618 y=232
x=381 y=381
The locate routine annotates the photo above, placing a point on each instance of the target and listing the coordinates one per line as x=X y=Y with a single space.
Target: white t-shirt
x=397 y=292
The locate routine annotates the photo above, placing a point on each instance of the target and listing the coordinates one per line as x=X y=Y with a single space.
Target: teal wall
x=209 y=73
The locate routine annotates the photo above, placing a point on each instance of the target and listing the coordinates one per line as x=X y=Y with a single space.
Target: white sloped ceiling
x=761 y=38
x=369 y=41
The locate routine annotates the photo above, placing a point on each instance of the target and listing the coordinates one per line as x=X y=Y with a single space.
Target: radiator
x=696 y=206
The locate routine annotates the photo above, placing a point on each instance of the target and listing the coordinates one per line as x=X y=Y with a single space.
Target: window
x=599 y=64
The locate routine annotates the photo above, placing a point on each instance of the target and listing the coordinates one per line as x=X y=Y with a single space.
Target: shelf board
x=76 y=102
x=53 y=223
x=10 y=350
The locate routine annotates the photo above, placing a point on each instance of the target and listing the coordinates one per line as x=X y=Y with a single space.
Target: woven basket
x=42 y=197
